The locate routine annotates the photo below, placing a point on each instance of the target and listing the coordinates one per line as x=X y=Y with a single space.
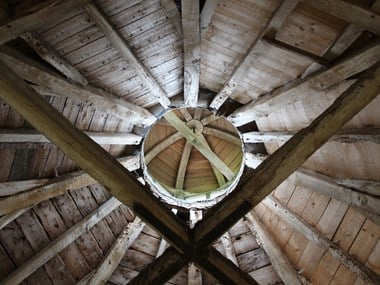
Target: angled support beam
x=229 y=248
x=279 y=260
x=50 y=55
x=222 y=135
x=368 y=276
x=312 y=85
x=96 y=97
x=349 y=12
x=33 y=136
x=39 y=259
x=122 y=47
x=256 y=185
x=192 y=51
x=206 y=15
x=6 y=219
x=271 y=28
x=194 y=275
x=151 y=154
x=343 y=136
x=183 y=165
x=43 y=12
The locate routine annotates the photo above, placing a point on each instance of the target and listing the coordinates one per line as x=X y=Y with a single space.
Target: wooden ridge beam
x=122 y=47
x=33 y=136
x=256 y=185
x=312 y=85
x=191 y=50
x=278 y=259
x=86 y=153
x=271 y=28
x=57 y=245
x=33 y=72
x=343 y=136
x=31 y=19
x=368 y=276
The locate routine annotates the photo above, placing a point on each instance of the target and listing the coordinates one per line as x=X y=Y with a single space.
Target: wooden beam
x=14 y=187
x=173 y=14
x=6 y=219
x=86 y=153
x=116 y=252
x=350 y=13
x=278 y=259
x=366 y=274
x=50 y=55
x=343 y=136
x=43 y=12
x=194 y=275
x=209 y=119
x=122 y=47
x=206 y=15
x=222 y=135
x=191 y=50
x=57 y=245
x=33 y=136
x=256 y=185
x=271 y=28
x=98 y=98
x=151 y=154
x=229 y=248
x=183 y=165
x=52 y=188
x=200 y=145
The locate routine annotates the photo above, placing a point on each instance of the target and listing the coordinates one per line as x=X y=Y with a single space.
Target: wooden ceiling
x=300 y=78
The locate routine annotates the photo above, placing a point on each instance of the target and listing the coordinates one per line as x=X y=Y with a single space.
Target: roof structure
x=189 y=142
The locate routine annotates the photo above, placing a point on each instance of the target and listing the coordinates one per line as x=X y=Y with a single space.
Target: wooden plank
x=60 y=243
x=194 y=275
x=206 y=15
x=33 y=136
x=228 y=248
x=222 y=135
x=308 y=86
x=14 y=187
x=191 y=50
x=6 y=219
x=50 y=55
x=173 y=14
x=313 y=235
x=122 y=47
x=279 y=260
x=271 y=28
x=349 y=12
x=30 y=20
x=277 y=167
x=102 y=100
x=183 y=165
x=151 y=154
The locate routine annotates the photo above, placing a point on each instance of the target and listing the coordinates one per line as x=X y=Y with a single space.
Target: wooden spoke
x=222 y=135
x=209 y=119
x=183 y=165
x=194 y=275
x=186 y=114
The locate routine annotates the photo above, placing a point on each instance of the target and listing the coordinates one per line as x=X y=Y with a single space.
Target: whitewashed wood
x=192 y=51
x=206 y=15
x=194 y=275
x=4 y=11
x=122 y=47
x=313 y=235
x=173 y=14
x=53 y=248
x=229 y=248
x=279 y=260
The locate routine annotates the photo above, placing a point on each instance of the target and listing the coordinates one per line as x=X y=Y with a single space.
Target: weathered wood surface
x=206 y=15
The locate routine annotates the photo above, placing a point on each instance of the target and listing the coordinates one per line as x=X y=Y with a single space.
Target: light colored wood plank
x=228 y=248
x=206 y=15
x=183 y=165
x=194 y=275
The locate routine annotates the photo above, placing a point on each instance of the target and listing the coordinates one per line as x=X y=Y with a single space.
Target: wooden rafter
x=122 y=47
x=43 y=12
x=6 y=219
x=271 y=28
x=151 y=154
x=206 y=15
x=192 y=51
x=279 y=260
x=185 y=156
x=222 y=135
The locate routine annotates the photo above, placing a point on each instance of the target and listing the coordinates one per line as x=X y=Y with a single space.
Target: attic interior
x=189 y=142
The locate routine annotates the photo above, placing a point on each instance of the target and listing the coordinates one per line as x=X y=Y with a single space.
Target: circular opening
x=192 y=158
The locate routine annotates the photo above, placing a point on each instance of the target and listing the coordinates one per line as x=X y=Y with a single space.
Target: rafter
x=206 y=15
x=6 y=219
x=152 y=153
x=279 y=260
x=271 y=28
x=122 y=47
x=57 y=245
x=222 y=135
x=313 y=85
x=183 y=165
x=191 y=50
x=43 y=12
x=313 y=235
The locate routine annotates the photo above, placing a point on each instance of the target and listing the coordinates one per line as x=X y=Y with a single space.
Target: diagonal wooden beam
x=43 y=12
x=271 y=28
x=313 y=85
x=6 y=219
x=257 y=184
x=96 y=97
x=87 y=154
x=229 y=248
x=222 y=135
x=191 y=50
x=183 y=165
x=151 y=154
x=122 y=47
x=206 y=15
x=173 y=14
x=278 y=259
x=349 y=12
x=313 y=235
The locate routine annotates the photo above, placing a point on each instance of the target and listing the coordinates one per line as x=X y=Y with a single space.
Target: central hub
x=192 y=158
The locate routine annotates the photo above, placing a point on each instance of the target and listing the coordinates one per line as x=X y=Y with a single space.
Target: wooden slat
x=43 y=12
x=313 y=235
x=274 y=170
x=206 y=15
x=271 y=27
x=192 y=51
x=279 y=260
x=122 y=47
x=173 y=14
x=312 y=85
x=27 y=268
